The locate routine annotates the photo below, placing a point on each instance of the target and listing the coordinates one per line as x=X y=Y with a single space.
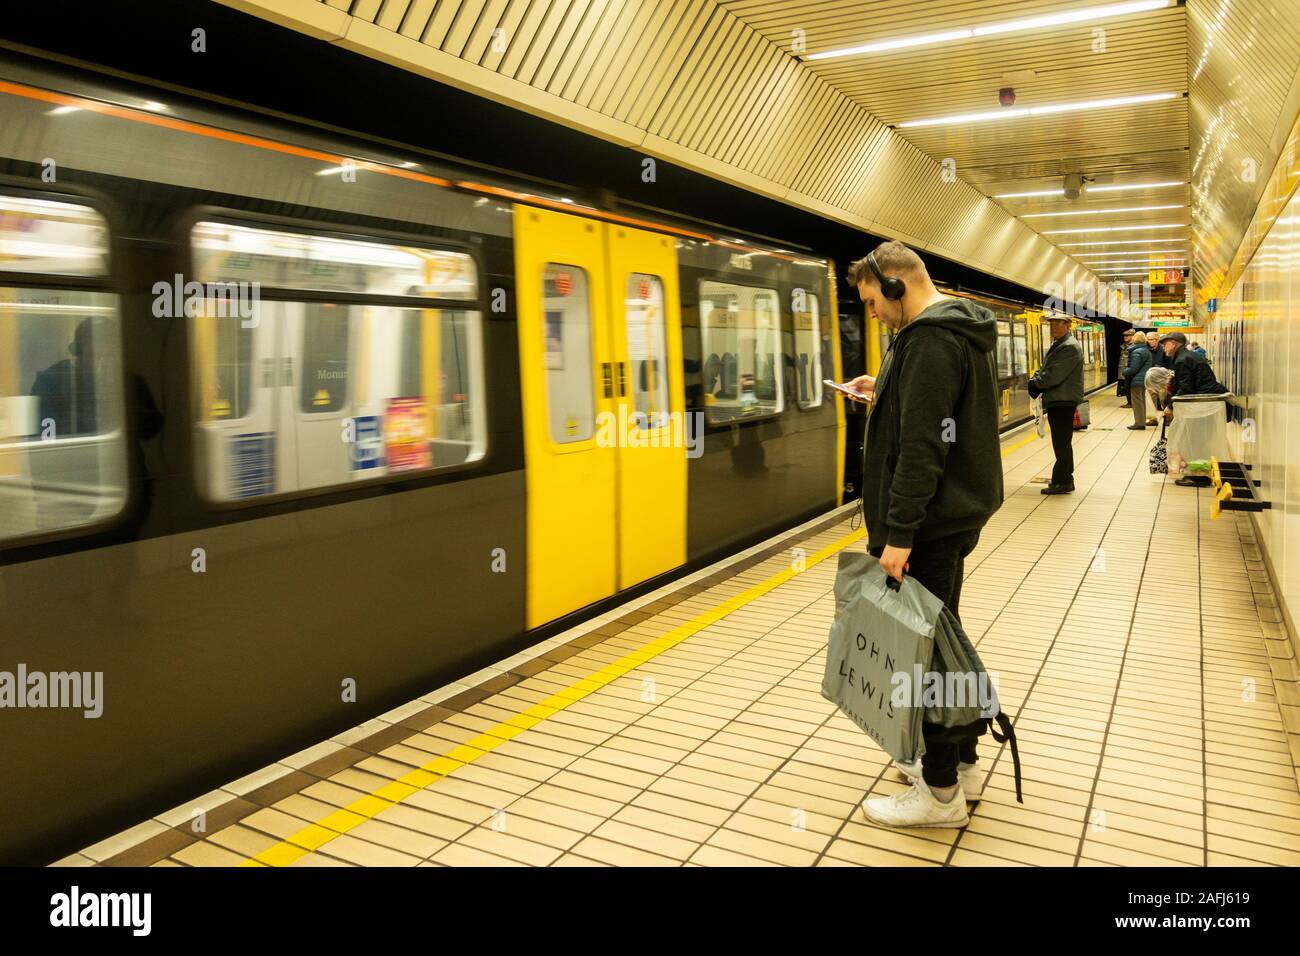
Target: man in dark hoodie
x=931 y=479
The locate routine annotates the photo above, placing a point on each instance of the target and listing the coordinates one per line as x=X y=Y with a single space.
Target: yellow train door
x=566 y=381
x=646 y=341
x=603 y=403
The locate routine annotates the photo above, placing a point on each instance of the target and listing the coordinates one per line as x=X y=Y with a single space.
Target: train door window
x=326 y=335
x=62 y=451
x=740 y=328
x=352 y=360
x=1020 y=353
x=647 y=348
x=566 y=311
x=1004 y=350
x=808 y=348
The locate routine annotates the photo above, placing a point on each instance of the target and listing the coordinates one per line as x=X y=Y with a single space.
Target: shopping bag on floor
x=897 y=659
x=1158 y=460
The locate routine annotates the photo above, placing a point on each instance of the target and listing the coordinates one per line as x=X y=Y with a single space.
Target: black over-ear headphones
x=891 y=286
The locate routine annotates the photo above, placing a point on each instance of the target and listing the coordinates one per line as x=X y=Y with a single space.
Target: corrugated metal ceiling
x=721 y=86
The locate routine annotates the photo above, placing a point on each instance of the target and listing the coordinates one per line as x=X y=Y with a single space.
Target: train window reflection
x=740 y=328
x=566 y=340
x=647 y=348
x=51 y=238
x=295 y=395
x=62 y=452
x=290 y=260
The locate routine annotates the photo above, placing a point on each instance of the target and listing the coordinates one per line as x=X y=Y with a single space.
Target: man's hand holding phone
x=861 y=389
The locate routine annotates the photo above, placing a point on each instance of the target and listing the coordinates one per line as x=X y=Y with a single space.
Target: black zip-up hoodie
x=932 y=461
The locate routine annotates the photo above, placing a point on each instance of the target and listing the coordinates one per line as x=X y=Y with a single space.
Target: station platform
x=1138 y=648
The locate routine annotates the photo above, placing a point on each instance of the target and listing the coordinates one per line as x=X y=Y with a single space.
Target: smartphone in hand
x=851 y=393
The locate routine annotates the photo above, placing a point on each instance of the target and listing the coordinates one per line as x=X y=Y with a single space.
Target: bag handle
x=1009 y=734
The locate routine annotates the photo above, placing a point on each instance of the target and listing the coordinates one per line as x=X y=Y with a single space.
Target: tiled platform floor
x=1137 y=644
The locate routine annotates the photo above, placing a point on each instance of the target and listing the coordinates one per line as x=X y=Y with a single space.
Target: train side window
x=808 y=348
x=742 y=325
x=321 y=361
x=647 y=348
x=566 y=310
x=62 y=449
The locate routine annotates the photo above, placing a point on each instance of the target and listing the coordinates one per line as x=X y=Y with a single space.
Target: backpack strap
x=1008 y=734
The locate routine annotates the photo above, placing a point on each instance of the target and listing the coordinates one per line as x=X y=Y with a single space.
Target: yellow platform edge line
x=315 y=835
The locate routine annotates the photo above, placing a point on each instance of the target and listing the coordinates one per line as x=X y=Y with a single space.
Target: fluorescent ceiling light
x=1115 y=189
x=1126 y=252
x=1040 y=192
x=992 y=29
x=1120 y=242
x=1158 y=225
x=1018 y=112
x=63 y=110
x=902 y=43
x=1088 y=190
x=1098 y=212
x=1071 y=16
x=1132 y=262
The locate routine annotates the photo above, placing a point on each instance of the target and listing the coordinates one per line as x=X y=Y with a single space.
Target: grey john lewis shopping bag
x=897 y=659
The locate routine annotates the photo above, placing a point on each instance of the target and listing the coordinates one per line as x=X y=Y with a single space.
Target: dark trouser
x=1061 y=420
x=939 y=564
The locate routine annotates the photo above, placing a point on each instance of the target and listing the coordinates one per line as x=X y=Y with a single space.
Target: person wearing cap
x=1060 y=382
x=1158 y=359
x=1135 y=373
x=1192 y=373
x=1124 y=387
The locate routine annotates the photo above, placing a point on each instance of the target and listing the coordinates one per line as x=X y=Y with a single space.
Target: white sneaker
x=969 y=776
x=916 y=807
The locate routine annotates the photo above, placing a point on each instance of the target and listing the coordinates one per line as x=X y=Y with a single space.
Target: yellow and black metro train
x=278 y=421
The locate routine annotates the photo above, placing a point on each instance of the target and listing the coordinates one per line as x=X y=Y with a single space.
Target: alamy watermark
x=224 y=300
x=1091 y=300
x=934 y=689
x=651 y=430
x=77 y=690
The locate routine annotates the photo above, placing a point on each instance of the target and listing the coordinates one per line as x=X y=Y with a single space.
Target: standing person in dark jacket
x=1124 y=386
x=932 y=478
x=1135 y=373
x=1060 y=382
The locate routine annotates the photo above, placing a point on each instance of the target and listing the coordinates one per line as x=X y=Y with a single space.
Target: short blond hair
x=893 y=258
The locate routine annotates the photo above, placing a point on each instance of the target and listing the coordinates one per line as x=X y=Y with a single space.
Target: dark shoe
x=1057 y=489
x=1151 y=421
x=1192 y=481
x=1127 y=405
x=1136 y=428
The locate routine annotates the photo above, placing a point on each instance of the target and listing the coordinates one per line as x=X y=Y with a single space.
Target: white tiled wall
x=1267 y=299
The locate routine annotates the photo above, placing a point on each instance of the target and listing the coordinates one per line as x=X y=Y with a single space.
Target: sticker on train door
x=407 y=434
x=368 y=443
x=252 y=464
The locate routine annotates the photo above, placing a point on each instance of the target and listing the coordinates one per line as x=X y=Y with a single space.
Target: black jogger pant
x=939 y=564
x=1060 y=418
